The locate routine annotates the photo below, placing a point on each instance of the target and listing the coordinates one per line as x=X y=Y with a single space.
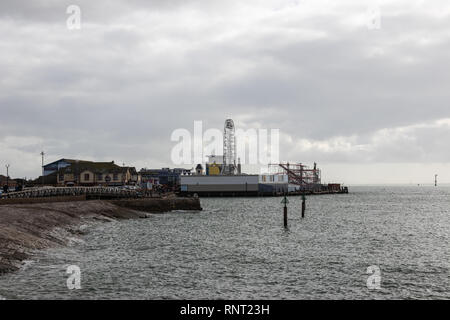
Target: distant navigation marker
x=435 y=180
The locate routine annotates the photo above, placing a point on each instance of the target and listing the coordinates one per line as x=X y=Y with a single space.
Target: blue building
x=56 y=165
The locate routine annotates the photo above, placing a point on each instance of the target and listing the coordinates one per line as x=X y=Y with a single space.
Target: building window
x=99 y=177
x=61 y=177
x=86 y=177
x=115 y=177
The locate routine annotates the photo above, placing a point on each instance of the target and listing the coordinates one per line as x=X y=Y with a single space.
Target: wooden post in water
x=303 y=205
x=285 y=201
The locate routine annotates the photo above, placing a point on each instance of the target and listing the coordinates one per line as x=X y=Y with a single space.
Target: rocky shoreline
x=28 y=227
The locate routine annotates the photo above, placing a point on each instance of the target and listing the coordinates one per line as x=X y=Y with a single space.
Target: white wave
x=26 y=264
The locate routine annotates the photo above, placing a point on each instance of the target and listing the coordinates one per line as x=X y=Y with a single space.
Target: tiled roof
x=96 y=167
x=62 y=160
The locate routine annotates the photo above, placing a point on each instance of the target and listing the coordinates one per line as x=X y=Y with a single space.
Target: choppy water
x=237 y=248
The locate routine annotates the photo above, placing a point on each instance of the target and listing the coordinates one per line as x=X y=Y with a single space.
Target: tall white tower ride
x=229 y=148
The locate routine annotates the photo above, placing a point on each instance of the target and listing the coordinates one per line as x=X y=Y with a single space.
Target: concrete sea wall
x=25 y=227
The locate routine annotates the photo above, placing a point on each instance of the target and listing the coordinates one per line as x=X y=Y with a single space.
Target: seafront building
x=72 y=172
x=234 y=185
x=217 y=181
x=90 y=173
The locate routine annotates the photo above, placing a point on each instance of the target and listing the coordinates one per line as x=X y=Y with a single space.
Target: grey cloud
x=119 y=87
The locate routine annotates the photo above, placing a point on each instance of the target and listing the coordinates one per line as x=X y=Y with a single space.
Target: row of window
x=87 y=177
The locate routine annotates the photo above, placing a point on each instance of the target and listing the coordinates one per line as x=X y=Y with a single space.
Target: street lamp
x=42 y=154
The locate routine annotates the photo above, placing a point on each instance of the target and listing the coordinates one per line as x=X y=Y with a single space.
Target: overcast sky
x=370 y=105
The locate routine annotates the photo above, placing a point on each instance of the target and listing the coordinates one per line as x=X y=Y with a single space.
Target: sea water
x=373 y=243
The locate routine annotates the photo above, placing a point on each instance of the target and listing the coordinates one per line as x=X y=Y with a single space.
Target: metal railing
x=72 y=191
